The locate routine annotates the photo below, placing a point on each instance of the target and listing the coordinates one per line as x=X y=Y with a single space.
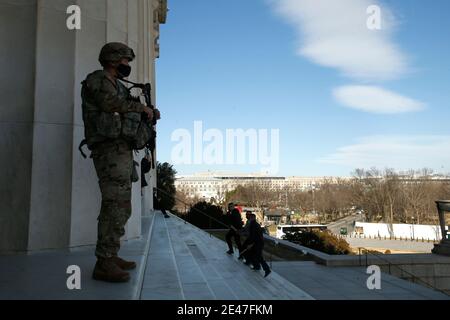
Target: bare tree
x=384 y=195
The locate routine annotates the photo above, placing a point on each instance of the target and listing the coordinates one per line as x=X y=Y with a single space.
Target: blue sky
x=342 y=96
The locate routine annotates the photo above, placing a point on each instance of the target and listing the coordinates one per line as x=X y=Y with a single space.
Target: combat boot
x=123 y=264
x=107 y=270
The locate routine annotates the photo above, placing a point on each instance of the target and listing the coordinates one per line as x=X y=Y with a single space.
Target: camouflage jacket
x=104 y=102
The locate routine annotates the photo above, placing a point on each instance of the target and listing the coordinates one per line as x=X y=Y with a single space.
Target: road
x=347 y=222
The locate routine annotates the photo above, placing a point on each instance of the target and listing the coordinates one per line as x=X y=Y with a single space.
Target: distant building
x=209 y=186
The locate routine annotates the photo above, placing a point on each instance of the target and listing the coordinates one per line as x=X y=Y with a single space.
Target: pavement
x=347 y=222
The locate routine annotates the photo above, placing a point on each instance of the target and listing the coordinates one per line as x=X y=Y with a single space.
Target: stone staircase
x=184 y=262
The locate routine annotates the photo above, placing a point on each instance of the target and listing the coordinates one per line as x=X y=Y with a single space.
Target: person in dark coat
x=235 y=222
x=157 y=203
x=245 y=233
x=255 y=243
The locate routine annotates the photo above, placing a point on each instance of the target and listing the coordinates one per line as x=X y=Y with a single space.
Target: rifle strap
x=134 y=85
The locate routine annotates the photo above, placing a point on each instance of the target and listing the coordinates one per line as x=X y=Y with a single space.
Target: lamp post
x=443 y=248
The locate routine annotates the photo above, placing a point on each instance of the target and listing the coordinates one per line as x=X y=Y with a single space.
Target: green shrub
x=323 y=241
x=207 y=216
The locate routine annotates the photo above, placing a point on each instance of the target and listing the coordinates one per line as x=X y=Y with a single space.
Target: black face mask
x=124 y=70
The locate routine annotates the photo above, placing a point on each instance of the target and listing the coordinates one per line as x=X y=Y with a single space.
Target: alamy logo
x=73 y=22
x=232 y=147
x=74 y=280
x=374 y=281
x=374 y=19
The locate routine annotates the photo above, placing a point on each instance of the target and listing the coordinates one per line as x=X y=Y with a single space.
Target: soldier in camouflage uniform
x=105 y=100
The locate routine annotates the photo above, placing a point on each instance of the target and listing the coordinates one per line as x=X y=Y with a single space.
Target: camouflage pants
x=113 y=162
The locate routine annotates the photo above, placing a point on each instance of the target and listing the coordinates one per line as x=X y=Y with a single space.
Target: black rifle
x=147 y=93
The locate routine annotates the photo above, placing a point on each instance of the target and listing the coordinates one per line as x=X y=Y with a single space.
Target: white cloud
x=376 y=100
x=334 y=33
x=398 y=152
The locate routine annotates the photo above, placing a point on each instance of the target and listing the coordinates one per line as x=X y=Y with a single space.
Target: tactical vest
x=102 y=126
x=136 y=129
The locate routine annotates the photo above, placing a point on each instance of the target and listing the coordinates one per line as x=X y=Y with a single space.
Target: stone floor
x=179 y=261
x=42 y=275
x=350 y=283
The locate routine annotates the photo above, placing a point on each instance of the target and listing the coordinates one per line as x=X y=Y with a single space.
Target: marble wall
x=49 y=197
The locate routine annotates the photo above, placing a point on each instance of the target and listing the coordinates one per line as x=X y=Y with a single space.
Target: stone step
x=277 y=283
x=161 y=278
x=206 y=272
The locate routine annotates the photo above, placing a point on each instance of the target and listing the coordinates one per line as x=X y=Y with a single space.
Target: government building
x=210 y=185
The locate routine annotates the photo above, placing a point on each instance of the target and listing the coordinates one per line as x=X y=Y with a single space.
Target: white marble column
x=52 y=199
x=18 y=21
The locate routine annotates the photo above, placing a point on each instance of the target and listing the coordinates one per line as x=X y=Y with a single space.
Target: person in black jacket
x=157 y=203
x=255 y=243
x=235 y=223
x=245 y=232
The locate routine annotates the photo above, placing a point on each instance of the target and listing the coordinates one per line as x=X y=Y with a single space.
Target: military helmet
x=115 y=51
